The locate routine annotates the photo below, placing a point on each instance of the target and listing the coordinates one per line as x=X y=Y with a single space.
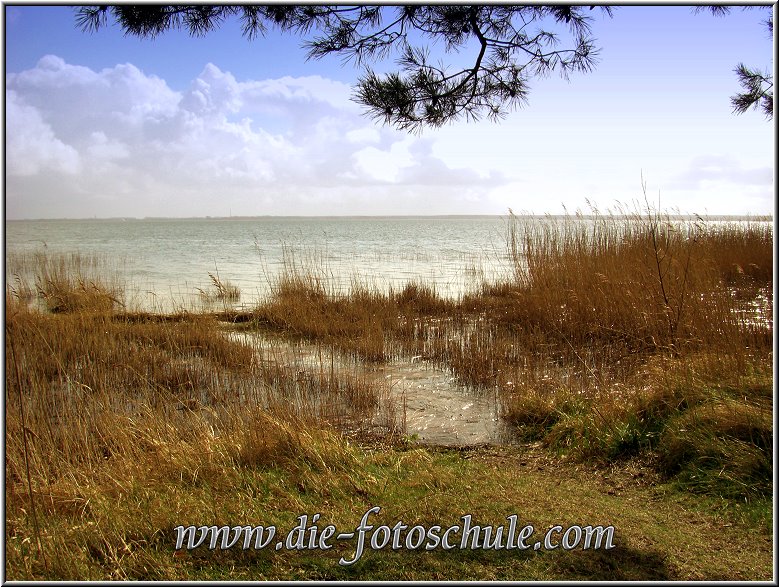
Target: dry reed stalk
x=595 y=300
x=223 y=290
x=65 y=282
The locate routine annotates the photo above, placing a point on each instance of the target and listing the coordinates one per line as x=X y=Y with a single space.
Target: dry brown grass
x=612 y=327
x=99 y=405
x=616 y=328
x=64 y=282
x=97 y=392
x=363 y=322
x=221 y=290
x=648 y=281
x=616 y=338
x=572 y=344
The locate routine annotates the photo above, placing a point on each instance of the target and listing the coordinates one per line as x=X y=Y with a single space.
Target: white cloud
x=121 y=142
x=363 y=135
x=102 y=147
x=722 y=169
x=32 y=146
x=411 y=161
x=384 y=164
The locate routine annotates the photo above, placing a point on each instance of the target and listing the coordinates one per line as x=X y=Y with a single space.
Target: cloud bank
x=119 y=142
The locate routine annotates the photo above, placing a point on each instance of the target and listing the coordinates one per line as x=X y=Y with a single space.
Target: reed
x=360 y=322
x=573 y=343
x=221 y=290
x=569 y=343
x=97 y=399
x=613 y=326
x=92 y=385
x=64 y=282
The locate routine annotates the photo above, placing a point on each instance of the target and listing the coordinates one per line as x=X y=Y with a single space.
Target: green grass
x=128 y=534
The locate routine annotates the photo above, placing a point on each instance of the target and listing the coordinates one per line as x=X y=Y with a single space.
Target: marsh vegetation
x=631 y=346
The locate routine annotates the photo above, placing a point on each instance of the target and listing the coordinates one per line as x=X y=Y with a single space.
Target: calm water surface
x=163 y=262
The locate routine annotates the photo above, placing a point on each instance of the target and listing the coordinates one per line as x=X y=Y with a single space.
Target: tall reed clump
x=221 y=290
x=602 y=302
x=614 y=327
x=64 y=282
x=639 y=279
x=302 y=307
x=363 y=321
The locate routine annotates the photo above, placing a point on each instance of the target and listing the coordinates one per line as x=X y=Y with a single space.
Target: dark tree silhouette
x=512 y=45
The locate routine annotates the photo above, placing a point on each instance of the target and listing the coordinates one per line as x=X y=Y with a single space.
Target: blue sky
x=108 y=125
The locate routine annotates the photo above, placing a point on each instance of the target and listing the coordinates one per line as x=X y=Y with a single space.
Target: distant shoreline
x=715 y=217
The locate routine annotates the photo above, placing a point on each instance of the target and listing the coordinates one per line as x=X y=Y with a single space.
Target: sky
x=106 y=125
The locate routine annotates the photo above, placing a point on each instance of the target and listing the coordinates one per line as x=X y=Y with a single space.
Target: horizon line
x=367 y=216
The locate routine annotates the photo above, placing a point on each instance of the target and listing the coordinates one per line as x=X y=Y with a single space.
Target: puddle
x=438 y=410
x=427 y=402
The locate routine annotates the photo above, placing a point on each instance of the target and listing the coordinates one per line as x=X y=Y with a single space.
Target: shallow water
x=163 y=264
x=438 y=410
x=425 y=401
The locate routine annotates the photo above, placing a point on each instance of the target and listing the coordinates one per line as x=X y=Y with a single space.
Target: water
x=424 y=401
x=163 y=263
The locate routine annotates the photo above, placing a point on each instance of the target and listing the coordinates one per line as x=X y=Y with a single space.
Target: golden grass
x=64 y=282
x=86 y=383
x=362 y=322
x=648 y=281
x=221 y=290
x=617 y=338
x=123 y=528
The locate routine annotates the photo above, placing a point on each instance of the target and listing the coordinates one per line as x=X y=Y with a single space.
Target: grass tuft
x=222 y=290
